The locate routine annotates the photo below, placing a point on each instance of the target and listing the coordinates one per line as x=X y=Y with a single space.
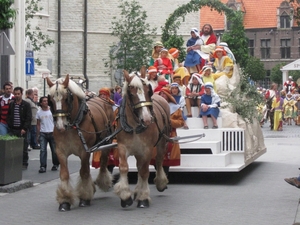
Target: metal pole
x=44 y=87
x=85 y=44
x=58 y=39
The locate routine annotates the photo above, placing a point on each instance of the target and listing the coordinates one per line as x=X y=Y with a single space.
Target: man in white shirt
x=45 y=127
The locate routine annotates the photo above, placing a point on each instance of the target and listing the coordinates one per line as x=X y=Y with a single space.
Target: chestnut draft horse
x=143 y=123
x=79 y=124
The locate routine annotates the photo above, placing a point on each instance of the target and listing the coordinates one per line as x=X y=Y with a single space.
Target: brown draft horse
x=144 y=121
x=79 y=124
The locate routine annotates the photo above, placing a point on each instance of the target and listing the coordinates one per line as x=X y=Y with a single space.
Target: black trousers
x=17 y=132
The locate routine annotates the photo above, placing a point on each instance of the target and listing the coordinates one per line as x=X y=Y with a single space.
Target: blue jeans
x=31 y=138
x=44 y=139
x=3 y=129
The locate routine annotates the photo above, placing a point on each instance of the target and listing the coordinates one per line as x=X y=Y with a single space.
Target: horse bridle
x=62 y=113
x=140 y=125
x=143 y=103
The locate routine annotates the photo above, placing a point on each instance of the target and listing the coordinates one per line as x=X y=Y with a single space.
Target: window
x=251 y=47
x=265 y=48
x=285 y=21
x=285 y=48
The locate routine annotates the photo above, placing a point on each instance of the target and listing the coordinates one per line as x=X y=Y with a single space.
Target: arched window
x=284 y=16
x=285 y=20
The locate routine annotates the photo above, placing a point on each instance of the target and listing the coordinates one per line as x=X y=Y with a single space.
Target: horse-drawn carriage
x=82 y=126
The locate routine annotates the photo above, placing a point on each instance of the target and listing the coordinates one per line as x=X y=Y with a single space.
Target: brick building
x=274 y=36
x=81 y=31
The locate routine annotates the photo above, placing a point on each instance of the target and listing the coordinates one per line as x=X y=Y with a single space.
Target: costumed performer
x=210 y=103
x=223 y=64
x=172 y=156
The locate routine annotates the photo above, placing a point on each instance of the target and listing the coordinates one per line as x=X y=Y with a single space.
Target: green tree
x=255 y=69
x=135 y=37
x=296 y=10
x=276 y=74
x=38 y=39
x=295 y=74
x=7 y=14
x=236 y=38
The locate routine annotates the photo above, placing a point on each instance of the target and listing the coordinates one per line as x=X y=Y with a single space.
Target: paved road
x=256 y=196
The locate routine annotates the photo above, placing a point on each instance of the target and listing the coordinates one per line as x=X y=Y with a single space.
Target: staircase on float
x=220 y=149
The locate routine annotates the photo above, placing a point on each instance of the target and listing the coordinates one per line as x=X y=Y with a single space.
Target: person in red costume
x=161 y=82
x=163 y=64
x=289 y=85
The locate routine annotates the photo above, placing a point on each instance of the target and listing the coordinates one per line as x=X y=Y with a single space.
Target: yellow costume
x=223 y=67
x=288 y=106
x=277 y=107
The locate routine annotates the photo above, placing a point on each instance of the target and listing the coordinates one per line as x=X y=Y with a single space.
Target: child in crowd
x=161 y=82
x=152 y=77
x=194 y=90
x=164 y=65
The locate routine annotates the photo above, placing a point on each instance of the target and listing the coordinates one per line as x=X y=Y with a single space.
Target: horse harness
x=83 y=110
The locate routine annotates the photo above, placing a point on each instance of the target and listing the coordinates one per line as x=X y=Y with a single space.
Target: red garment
x=289 y=85
x=211 y=40
x=188 y=90
x=161 y=84
x=164 y=65
x=4 y=109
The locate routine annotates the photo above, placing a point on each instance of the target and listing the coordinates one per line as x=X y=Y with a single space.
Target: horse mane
x=74 y=88
x=135 y=82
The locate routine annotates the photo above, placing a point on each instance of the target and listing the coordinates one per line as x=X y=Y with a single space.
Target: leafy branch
x=38 y=39
x=7 y=14
x=135 y=38
x=244 y=99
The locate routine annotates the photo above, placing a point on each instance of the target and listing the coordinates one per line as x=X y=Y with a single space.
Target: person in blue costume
x=192 y=57
x=176 y=93
x=210 y=103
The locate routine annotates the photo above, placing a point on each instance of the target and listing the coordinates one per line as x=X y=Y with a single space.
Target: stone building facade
x=100 y=14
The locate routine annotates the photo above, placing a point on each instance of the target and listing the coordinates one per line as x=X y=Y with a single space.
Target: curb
x=17 y=186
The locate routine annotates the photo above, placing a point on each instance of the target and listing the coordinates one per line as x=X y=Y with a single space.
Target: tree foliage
x=254 y=69
x=244 y=99
x=276 y=74
x=38 y=39
x=135 y=37
x=235 y=37
x=296 y=12
x=295 y=74
x=7 y=14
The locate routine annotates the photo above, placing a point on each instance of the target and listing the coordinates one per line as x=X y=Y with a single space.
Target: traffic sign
x=29 y=65
x=5 y=46
x=29 y=54
x=29 y=62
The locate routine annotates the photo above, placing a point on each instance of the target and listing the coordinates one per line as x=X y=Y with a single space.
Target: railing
x=233 y=141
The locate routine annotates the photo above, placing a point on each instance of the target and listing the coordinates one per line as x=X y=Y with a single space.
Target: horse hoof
x=65 y=206
x=143 y=203
x=127 y=202
x=162 y=190
x=83 y=203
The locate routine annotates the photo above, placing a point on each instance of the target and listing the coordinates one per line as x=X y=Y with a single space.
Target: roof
x=292 y=66
x=258 y=14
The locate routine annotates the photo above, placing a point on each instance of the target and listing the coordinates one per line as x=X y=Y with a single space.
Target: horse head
x=139 y=93
x=65 y=95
